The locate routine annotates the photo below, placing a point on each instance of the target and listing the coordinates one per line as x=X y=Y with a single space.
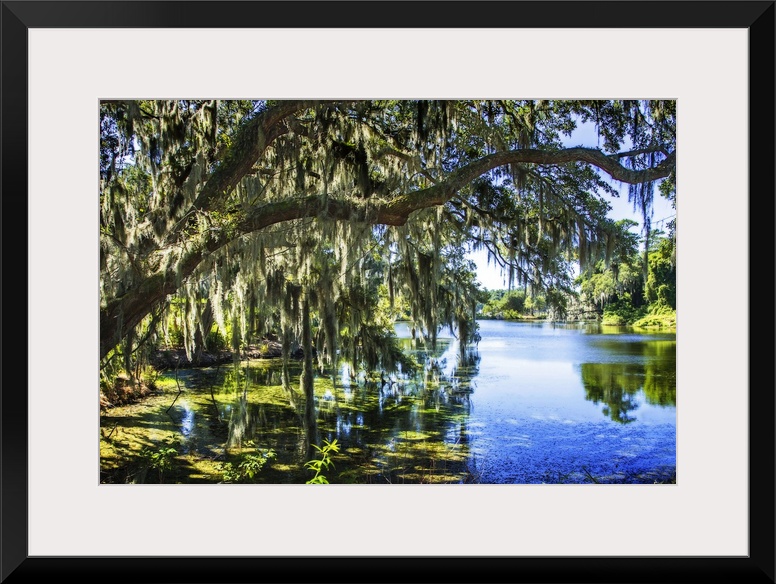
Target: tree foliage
x=284 y=216
x=620 y=292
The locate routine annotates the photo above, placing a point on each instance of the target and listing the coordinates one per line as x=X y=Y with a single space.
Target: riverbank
x=176 y=357
x=126 y=391
x=653 y=321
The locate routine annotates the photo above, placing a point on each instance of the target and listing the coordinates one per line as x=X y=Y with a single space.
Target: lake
x=530 y=403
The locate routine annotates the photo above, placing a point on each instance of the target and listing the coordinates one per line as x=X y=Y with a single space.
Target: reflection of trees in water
x=421 y=414
x=436 y=368
x=661 y=349
x=660 y=374
x=249 y=417
x=617 y=385
x=239 y=423
x=406 y=426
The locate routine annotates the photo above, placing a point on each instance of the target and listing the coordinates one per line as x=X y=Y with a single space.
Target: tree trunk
x=199 y=339
x=307 y=368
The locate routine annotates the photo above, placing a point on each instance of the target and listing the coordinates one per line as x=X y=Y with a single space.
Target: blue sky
x=490 y=276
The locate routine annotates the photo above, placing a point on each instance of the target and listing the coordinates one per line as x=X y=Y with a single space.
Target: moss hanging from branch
x=210 y=201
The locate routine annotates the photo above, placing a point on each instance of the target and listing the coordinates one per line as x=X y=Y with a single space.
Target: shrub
x=161 y=458
x=247 y=465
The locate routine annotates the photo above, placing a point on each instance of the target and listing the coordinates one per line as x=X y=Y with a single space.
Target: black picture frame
x=755 y=16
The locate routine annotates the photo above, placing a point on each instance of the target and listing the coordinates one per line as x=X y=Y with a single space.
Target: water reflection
x=615 y=385
x=619 y=386
x=409 y=426
x=524 y=406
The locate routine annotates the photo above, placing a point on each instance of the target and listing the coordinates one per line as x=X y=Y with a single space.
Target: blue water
x=567 y=403
x=530 y=403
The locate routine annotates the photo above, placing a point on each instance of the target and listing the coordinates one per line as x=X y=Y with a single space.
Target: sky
x=490 y=276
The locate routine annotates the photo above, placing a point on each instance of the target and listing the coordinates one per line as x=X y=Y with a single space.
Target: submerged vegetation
x=436 y=424
x=303 y=230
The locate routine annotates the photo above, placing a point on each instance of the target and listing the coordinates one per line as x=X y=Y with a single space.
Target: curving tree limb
x=123 y=313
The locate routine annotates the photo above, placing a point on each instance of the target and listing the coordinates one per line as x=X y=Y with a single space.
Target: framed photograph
x=94 y=90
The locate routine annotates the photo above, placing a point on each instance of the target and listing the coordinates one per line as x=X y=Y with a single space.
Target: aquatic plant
x=324 y=462
x=162 y=457
x=248 y=466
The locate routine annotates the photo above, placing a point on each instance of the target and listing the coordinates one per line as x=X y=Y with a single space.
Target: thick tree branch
x=661 y=149
x=404 y=205
x=249 y=144
x=125 y=312
x=251 y=141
